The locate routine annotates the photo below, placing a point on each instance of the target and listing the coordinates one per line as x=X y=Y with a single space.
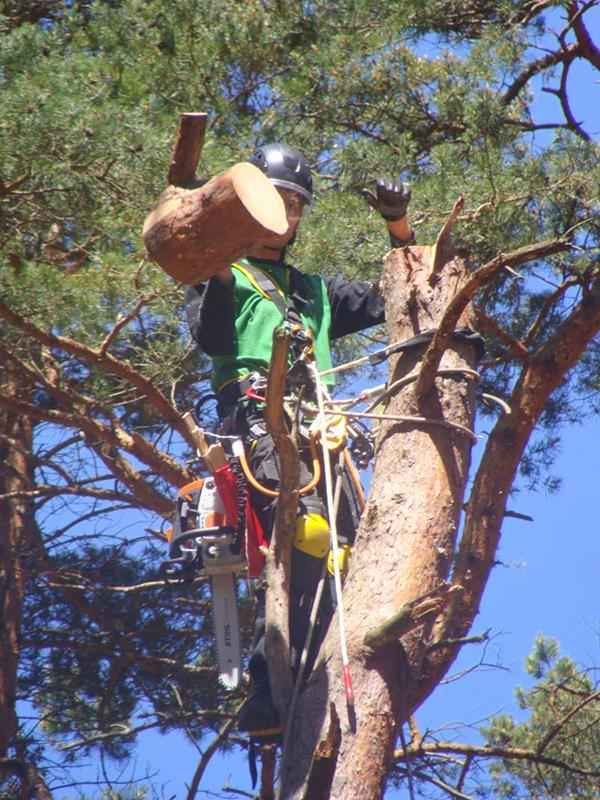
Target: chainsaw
x=203 y=543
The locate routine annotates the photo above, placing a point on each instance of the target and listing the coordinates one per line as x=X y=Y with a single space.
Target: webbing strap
x=266 y=284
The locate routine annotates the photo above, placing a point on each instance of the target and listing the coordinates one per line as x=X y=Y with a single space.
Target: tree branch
x=125 y=319
x=207 y=755
x=563 y=96
x=488 y=325
x=408 y=617
x=491 y=751
x=479 y=278
x=114 y=436
x=550 y=301
x=106 y=362
x=277 y=637
x=545 y=371
x=188 y=146
x=442 y=244
x=556 y=728
x=445 y=787
x=587 y=46
x=42 y=490
x=534 y=68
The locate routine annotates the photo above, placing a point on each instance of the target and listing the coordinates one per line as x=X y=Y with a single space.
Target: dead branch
x=485 y=751
x=440 y=252
x=125 y=319
x=482 y=638
x=118 y=729
x=479 y=278
x=134 y=588
x=207 y=755
x=187 y=149
x=489 y=325
x=408 y=617
x=277 y=638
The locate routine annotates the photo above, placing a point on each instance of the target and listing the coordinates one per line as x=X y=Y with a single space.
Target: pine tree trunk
x=403 y=552
x=16 y=541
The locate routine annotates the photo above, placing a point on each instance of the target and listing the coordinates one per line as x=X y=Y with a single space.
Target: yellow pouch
x=312 y=535
x=344 y=553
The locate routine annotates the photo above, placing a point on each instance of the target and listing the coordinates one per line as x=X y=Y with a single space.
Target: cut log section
x=194 y=233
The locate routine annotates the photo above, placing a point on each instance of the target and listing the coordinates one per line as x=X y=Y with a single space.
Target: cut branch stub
x=188 y=147
x=194 y=233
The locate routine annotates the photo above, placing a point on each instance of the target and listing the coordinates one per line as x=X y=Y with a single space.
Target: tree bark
x=187 y=149
x=16 y=551
x=277 y=634
x=407 y=537
x=407 y=614
x=194 y=233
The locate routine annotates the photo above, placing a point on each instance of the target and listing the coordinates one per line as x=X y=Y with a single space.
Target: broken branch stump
x=187 y=149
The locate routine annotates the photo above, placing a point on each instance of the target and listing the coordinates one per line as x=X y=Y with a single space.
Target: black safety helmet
x=285 y=167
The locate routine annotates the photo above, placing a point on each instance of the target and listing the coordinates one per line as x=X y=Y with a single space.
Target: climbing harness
x=239 y=451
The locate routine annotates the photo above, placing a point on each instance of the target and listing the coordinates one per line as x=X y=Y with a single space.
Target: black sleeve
x=209 y=311
x=355 y=305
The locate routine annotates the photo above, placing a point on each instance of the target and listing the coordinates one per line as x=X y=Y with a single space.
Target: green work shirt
x=256 y=316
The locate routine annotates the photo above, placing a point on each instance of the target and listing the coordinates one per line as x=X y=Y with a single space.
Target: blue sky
x=547 y=583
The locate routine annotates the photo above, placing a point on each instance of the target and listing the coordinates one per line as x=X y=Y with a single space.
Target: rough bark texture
x=277 y=634
x=187 y=149
x=194 y=233
x=407 y=535
x=16 y=544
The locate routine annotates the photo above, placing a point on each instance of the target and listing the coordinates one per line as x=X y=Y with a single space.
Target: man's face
x=294 y=208
x=294 y=204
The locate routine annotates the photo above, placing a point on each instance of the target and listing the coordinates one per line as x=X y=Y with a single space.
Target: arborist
x=232 y=317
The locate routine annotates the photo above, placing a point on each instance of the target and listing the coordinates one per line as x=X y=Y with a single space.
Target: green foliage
x=561 y=725
x=101 y=658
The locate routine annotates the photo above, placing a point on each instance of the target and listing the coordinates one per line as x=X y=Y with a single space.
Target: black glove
x=391 y=198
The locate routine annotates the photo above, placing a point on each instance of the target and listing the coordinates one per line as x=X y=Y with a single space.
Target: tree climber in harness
x=232 y=317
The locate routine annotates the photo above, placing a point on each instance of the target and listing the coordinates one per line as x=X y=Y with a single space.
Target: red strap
x=255 y=537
